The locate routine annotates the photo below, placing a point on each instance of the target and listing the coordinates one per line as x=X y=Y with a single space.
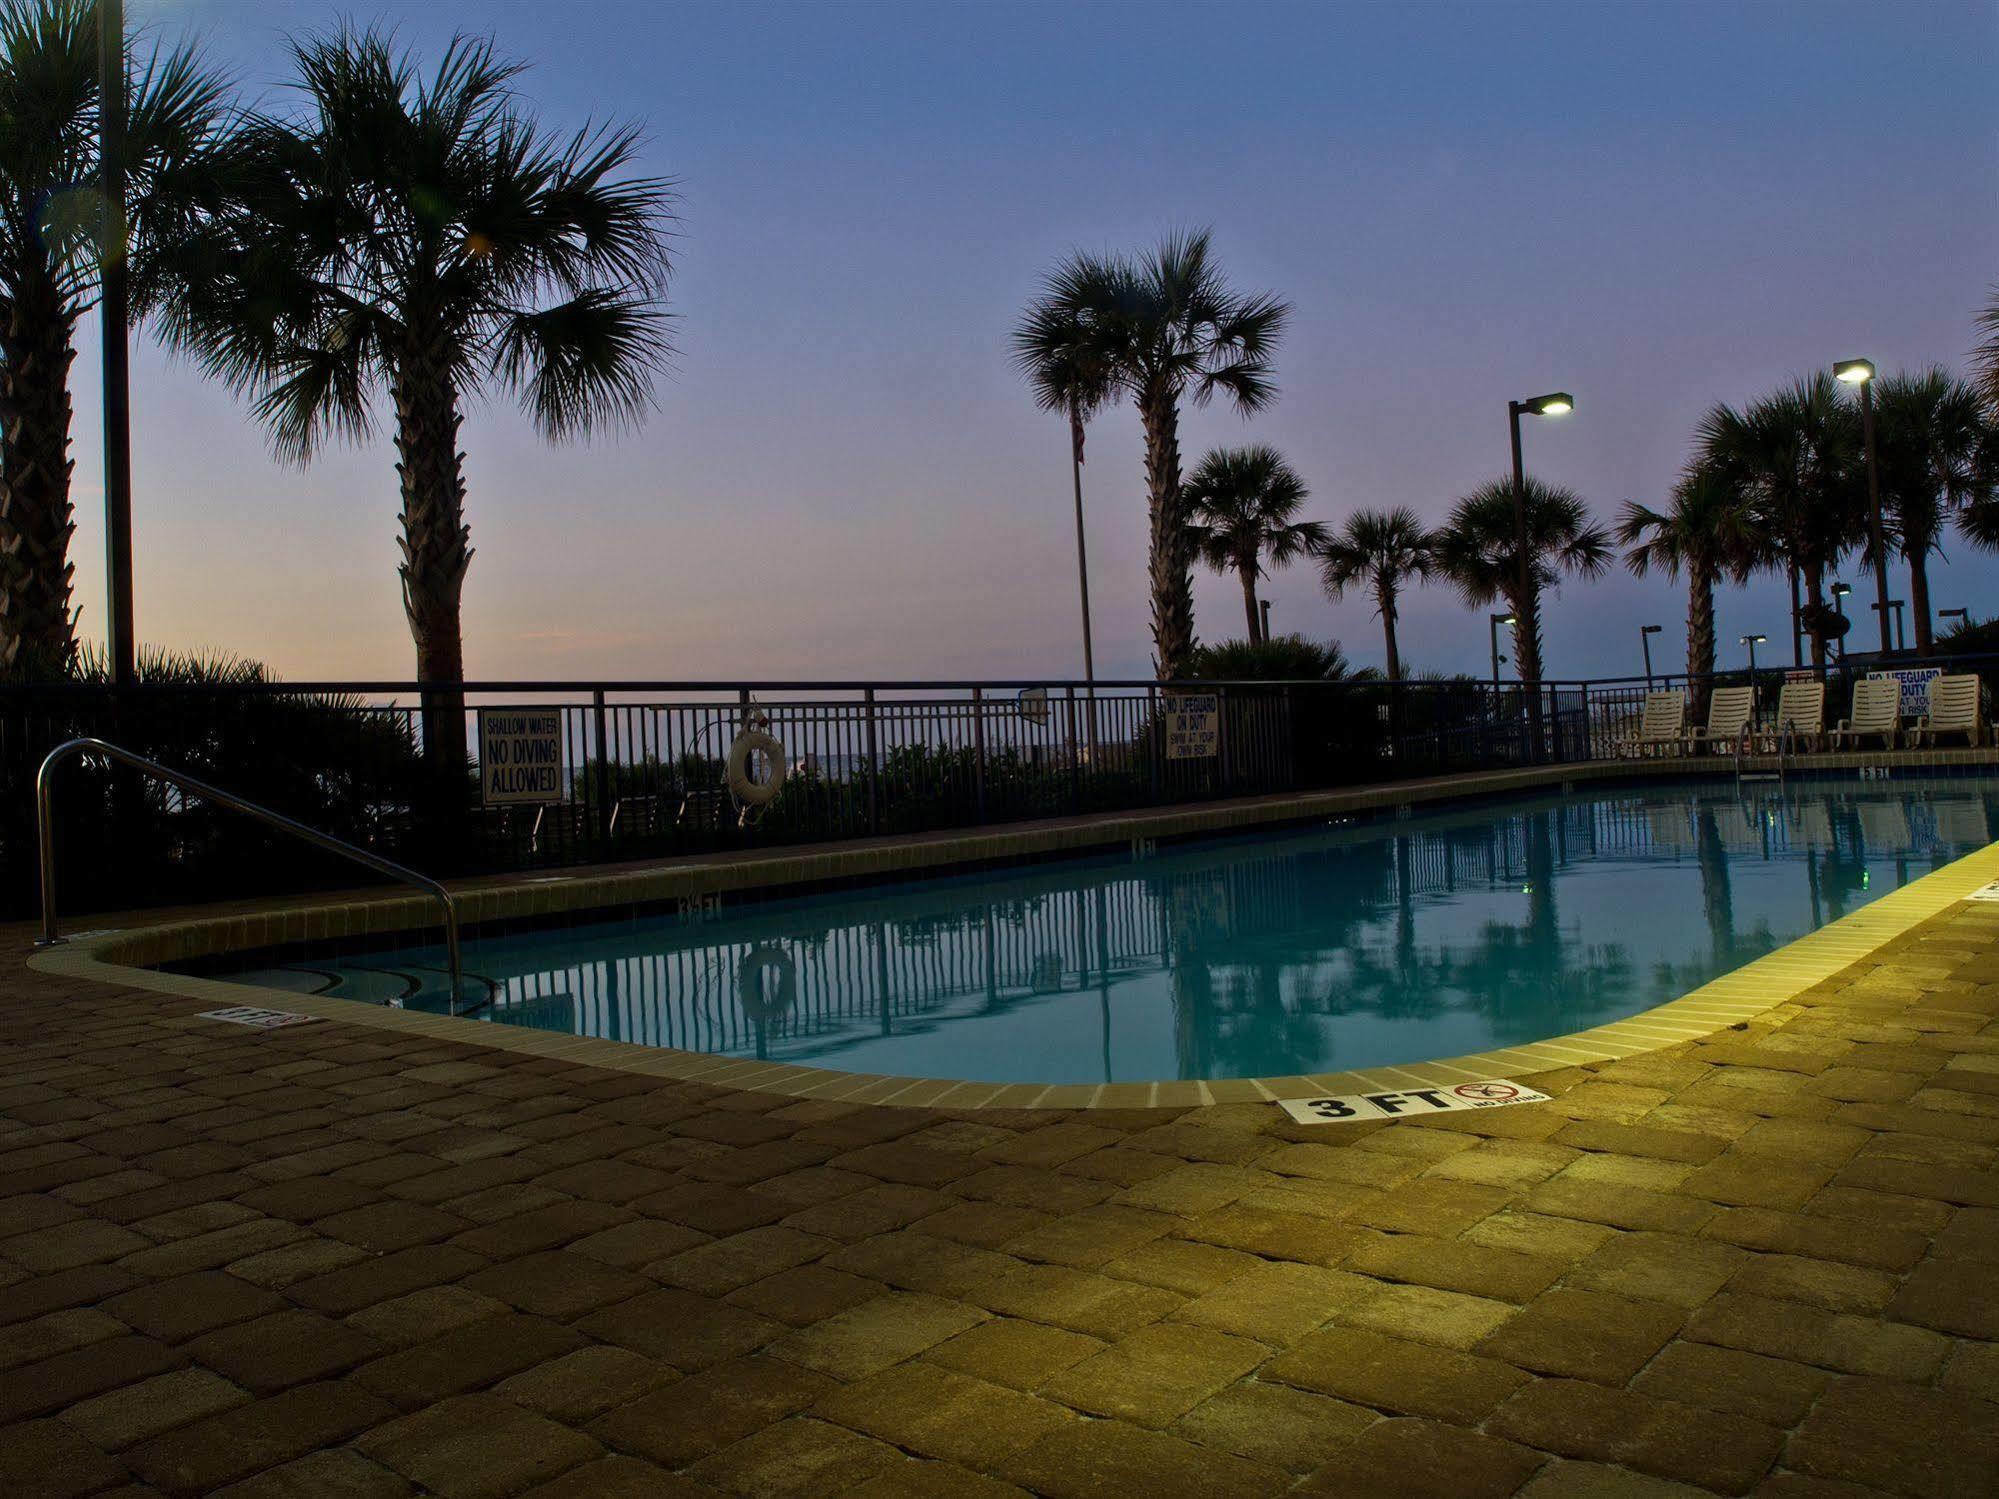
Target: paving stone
x=725 y=1265
x=1076 y=1299
x=1275 y=1233
x=680 y=1328
x=384 y=1227
x=1182 y=1265
x=1448 y=1265
x=1584 y=1335
x=1619 y=1207
x=917 y=1479
x=619 y=1478
x=1686 y=1146
x=423 y=1315
x=876 y=1334
x=985 y=1225
x=916 y=1262
x=1974 y=1370
x=1429 y=1316
x=1607 y=1169
x=1574 y=1418
x=58 y=1332
x=707 y=1411
x=1951 y=1295
x=138 y=1412
x=552 y=1227
x=1823 y=1283
x=49 y=1384
x=467 y=1358
x=1972 y=1234
x=367 y=1282
x=336 y=1473
x=283 y=1349
x=804 y=1294
x=1565 y=1239
x=1108 y=1460
x=1817 y=1238
x=938 y=1413
x=556 y=1284
x=476 y=1447
x=639 y=1242
x=49 y=1460
x=1088 y=1239
x=1899 y=1438
x=798 y=1457
x=1274 y=1425
x=1564 y=1479
x=1156 y=1374
x=1278 y=1303
x=1193 y=1189
x=584 y=1384
x=1407 y=1458
x=1770 y=1390
x=1007 y=1351
x=1832 y=1340
x=1659 y=1267
x=1501 y=1163
x=201 y=1458
x=874 y=1209
x=303 y=1259
x=64 y=1246
x=606 y=1181
x=1393 y=1374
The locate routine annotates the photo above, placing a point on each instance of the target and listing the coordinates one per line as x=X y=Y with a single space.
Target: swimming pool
x=1335 y=947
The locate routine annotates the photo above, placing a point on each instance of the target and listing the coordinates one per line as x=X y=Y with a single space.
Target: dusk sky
x=1655 y=206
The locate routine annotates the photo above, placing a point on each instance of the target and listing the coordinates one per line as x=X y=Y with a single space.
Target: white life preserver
x=757 y=1001
x=747 y=790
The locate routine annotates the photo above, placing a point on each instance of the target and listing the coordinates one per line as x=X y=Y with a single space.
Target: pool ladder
x=45 y=833
x=1745 y=743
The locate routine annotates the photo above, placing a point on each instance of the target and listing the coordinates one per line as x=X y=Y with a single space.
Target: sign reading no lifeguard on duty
x=1193 y=725
x=520 y=755
x=1493 y=1094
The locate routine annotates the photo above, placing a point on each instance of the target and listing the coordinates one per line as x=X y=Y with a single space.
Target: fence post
x=874 y=768
x=1155 y=739
x=979 y=749
x=1075 y=759
x=1224 y=744
x=600 y=732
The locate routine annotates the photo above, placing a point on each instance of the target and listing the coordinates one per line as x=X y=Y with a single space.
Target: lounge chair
x=1811 y=823
x=1884 y=825
x=1961 y=822
x=1954 y=708
x=1662 y=729
x=1876 y=713
x=1729 y=710
x=1800 y=717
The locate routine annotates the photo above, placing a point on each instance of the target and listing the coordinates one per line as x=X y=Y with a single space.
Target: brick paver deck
x=333 y=1261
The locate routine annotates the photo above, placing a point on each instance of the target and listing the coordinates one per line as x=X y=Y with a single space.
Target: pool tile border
x=122 y=956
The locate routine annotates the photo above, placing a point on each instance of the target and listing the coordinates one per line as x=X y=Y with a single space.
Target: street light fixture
x=1497 y=621
x=1645 y=634
x=1861 y=372
x=1958 y=614
x=1555 y=403
x=1752 y=641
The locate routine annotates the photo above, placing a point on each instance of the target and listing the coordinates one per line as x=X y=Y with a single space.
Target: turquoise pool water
x=1308 y=950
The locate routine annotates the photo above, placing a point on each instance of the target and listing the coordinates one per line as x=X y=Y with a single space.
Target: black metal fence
x=642 y=764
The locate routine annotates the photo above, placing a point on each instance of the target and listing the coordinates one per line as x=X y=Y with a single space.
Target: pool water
x=1339 y=946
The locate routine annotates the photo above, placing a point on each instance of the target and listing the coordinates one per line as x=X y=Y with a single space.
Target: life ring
x=747 y=790
x=751 y=993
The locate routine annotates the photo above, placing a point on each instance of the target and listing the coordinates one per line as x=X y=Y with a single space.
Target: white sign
x=1985 y=892
x=1193 y=725
x=265 y=1020
x=1915 y=682
x=520 y=755
x=1496 y=1093
x=1034 y=704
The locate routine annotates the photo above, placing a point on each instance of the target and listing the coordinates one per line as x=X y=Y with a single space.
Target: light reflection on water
x=1303 y=951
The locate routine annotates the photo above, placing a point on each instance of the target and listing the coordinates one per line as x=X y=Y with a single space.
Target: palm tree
x=49 y=262
x=1795 y=458
x=1931 y=434
x=1159 y=327
x=1380 y=550
x=422 y=238
x=1240 y=503
x=1709 y=532
x=1478 y=550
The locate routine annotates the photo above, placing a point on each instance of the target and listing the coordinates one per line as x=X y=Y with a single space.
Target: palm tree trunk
x=1814 y=571
x=1171 y=560
x=1384 y=594
x=37 y=624
x=1700 y=641
x=1248 y=574
x=1797 y=620
x=1919 y=594
x=1527 y=646
x=436 y=547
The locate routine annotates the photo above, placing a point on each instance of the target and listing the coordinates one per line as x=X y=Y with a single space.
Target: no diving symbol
x=1487 y=1092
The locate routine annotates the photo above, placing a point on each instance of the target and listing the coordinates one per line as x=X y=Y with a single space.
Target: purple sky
x=1654 y=206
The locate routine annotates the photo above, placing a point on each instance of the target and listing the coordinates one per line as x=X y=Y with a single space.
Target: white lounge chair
x=1662 y=729
x=1961 y=822
x=1729 y=710
x=1954 y=708
x=1877 y=713
x=1884 y=825
x=1811 y=823
x=1800 y=717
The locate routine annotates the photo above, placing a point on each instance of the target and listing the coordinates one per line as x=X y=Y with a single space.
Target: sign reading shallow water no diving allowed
x=1491 y=1094
x=520 y=755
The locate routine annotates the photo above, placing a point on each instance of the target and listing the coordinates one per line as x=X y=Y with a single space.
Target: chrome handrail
x=45 y=834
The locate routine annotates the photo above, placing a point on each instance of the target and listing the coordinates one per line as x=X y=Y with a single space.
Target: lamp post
x=1645 y=634
x=1861 y=372
x=1963 y=615
x=1752 y=641
x=113 y=312
x=1901 y=636
x=1555 y=403
x=1497 y=621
